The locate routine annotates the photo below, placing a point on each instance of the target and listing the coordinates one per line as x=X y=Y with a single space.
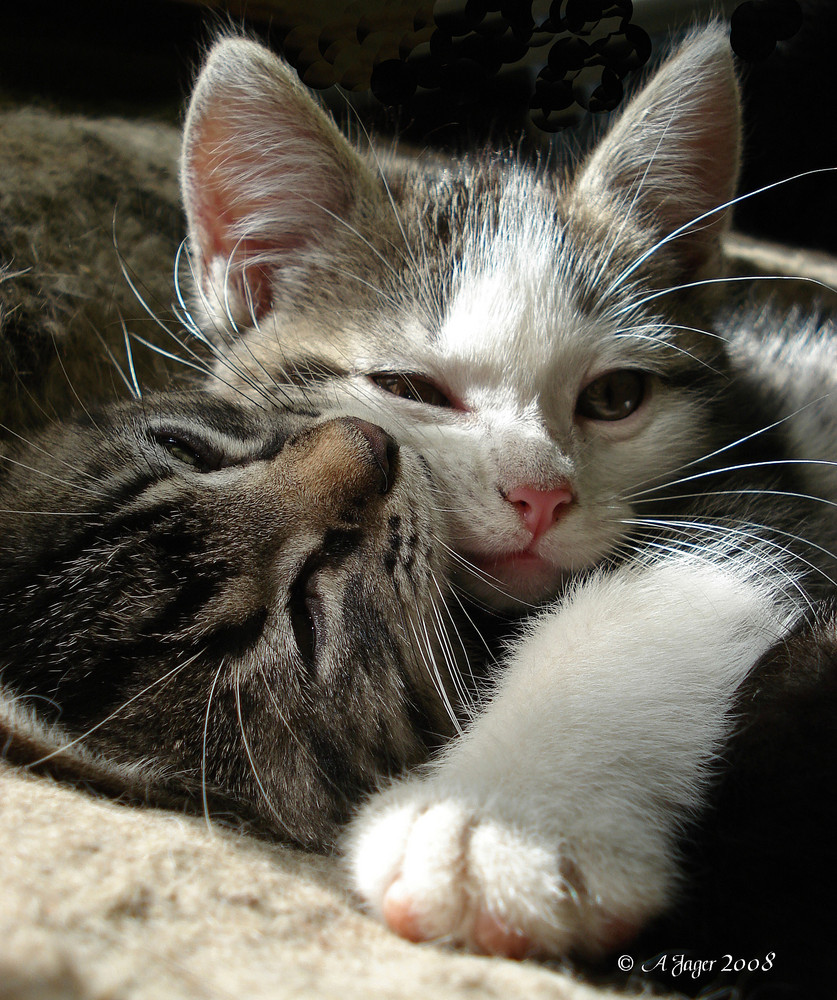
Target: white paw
x=551 y=825
x=434 y=866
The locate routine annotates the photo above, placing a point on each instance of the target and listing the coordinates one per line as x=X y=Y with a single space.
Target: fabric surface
x=103 y=901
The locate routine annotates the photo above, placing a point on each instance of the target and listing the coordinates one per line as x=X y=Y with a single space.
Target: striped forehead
x=513 y=300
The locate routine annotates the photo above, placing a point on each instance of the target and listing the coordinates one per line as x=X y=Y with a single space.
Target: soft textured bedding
x=103 y=901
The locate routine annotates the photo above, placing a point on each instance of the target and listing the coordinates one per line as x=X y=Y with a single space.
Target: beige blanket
x=102 y=901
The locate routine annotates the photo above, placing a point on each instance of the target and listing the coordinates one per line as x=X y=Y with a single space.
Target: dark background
x=137 y=57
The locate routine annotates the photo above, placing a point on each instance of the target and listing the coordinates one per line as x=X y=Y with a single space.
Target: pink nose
x=540 y=509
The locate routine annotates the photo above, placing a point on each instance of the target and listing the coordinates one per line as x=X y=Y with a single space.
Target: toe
x=400 y=914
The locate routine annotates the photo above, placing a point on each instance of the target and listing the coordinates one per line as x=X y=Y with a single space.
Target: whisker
x=482 y=575
x=729 y=279
x=424 y=646
x=306 y=751
x=70 y=382
x=92 y=729
x=253 y=768
x=777 y=531
x=224 y=358
x=667 y=344
x=490 y=653
x=33 y=446
x=198 y=365
x=738 y=468
x=745 y=492
x=727 y=533
x=688 y=226
x=448 y=651
x=204 y=795
x=136 y=391
x=727 y=447
x=55 y=479
x=627 y=332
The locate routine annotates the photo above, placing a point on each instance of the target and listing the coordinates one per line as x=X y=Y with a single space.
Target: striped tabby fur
x=205 y=600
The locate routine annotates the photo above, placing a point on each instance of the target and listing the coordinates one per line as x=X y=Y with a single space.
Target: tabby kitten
x=206 y=600
x=601 y=427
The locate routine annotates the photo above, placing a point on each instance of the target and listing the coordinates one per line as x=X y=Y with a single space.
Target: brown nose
x=383 y=447
x=342 y=461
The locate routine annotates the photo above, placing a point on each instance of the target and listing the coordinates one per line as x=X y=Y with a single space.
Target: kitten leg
x=550 y=827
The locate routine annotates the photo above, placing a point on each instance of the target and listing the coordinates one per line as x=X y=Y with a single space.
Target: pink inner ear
x=258 y=192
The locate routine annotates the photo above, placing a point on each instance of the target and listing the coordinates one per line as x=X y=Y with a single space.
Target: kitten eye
x=412 y=387
x=613 y=396
x=305 y=610
x=189 y=453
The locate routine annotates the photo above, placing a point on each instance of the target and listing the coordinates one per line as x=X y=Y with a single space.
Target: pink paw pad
x=399 y=913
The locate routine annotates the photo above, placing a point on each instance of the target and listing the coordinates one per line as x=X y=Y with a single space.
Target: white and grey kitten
x=592 y=431
x=600 y=429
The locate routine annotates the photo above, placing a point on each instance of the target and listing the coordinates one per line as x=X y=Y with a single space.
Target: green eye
x=412 y=387
x=613 y=396
x=189 y=454
x=182 y=453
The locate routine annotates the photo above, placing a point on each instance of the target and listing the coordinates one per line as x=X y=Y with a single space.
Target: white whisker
x=738 y=468
x=92 y=729
x=204 y=795
x=689 y=226
x=730 y=279
x=268 y=801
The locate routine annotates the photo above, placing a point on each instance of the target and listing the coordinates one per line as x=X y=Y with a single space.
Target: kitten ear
x=674 y=154
x=265 y=176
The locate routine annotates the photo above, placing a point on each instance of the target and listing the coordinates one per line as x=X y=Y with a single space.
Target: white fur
x=558 y=813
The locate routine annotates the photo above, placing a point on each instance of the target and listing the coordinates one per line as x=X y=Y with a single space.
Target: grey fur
x=256 y=629
x=75 y=194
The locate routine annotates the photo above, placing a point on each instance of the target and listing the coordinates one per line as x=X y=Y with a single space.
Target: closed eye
x=416 y=388
x=306 y=615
